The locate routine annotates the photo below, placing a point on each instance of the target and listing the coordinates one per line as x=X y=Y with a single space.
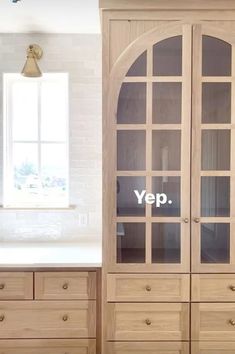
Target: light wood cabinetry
x=147 y=347
x=169 y=167
x=59 y=313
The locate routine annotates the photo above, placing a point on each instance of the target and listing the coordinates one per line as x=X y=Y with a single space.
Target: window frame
x=8 y=170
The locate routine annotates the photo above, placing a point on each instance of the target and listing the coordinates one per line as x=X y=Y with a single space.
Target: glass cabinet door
x=153 y=159
x=213 y=160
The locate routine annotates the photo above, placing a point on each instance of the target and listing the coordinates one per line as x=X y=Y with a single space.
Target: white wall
x=80 y=56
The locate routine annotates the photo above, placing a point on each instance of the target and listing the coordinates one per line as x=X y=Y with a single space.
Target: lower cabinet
x=147 y=348
x=62 y=346
x=213 y=348
x=148 y=321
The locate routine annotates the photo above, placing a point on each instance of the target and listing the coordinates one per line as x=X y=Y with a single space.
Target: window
x=36 y=141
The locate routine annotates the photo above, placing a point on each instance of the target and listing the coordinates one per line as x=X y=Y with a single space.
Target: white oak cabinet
x=169 y=174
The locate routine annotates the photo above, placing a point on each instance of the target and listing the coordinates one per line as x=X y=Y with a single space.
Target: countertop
x=40 y=255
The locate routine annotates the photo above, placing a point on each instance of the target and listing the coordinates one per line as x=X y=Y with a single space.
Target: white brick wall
x=80 y=56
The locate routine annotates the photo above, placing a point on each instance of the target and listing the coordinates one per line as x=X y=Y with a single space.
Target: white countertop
x=41 y=255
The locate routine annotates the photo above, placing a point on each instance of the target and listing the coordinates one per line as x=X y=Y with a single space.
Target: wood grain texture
x=65 y=285
x=16 y=286
x=213 y=348
x=147 y=347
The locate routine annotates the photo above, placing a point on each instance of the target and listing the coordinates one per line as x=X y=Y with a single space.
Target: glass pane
x=216 y=102
x=166 y=243
x=167 y=57
x=215 y=196
x=167 y=102
x=167 y=192
x=54 y=111
x=26 y=179
x=130 y=243
x=132 y=104
x=166 y=150
x=139 y=67
x=216 y=57
x=215 y=243
x=131 y=147
x=129 y=192
x=216 y=150
x=25 y=111
x=54 y=173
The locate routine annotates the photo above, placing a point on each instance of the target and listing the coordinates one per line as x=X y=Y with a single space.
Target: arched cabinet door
x=213 y=148
x=147 y=146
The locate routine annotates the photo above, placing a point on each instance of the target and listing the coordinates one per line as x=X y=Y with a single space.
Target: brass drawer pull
x=148 y=322
x=2 y=318
x=186 y=220
x=148 y=288
x=2 y=286
x=232 y=322
x=232 y=287
x=196 y=220
x=65 y=318
x=65 y=286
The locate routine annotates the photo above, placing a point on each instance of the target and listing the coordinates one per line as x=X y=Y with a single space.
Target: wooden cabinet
x=52 y=312
x=147 y=347
x=213 y=347
x=169 y=167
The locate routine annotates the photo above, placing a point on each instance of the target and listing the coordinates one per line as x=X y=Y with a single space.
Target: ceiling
x=49 y=16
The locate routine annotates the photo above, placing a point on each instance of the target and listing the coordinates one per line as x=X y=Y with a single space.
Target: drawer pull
x=65 y=318
x=196 y=220
x=232 y=322
x=2 y=286
x=2 y=318
x=148 y=322
x=232 y=287
x=65 y=286
x=186 y=220
x=148 y=288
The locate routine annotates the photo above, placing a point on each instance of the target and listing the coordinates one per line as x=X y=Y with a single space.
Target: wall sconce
x=31 y=68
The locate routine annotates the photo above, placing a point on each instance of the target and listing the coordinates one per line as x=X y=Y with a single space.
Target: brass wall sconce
x=31 y=68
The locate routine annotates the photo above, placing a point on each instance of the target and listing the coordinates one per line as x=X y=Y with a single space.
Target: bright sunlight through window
x=36 y=141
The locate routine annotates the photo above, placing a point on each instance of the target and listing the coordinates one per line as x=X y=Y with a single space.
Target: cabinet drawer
x=47 y=319
x=16 y=286
x=147 y=348
x=65 y=285
x=148 y=321
x=148 y=287
x=213 y=321
x=212 y=288
x=62 y=346
x=213 y=348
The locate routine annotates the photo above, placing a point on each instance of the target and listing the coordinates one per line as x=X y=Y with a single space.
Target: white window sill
x=70 y=207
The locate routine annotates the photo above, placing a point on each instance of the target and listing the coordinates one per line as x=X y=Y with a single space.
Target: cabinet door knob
x=2 y=318
x=232 y=322
x=65 y=286
x=2 y=286
x=186 y=220
x=196 y=220
x=65 y=318
x=148 y=288
x=232 y=287
x=148 y=322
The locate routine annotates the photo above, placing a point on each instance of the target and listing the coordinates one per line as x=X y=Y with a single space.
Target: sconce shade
x=31 y=68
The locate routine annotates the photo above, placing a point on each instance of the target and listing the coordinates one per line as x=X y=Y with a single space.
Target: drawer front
x=213 y=321
x=147 y=348
x=148 y=287
x=47 y=319
x=213 y=288
x=148 y=321
x=65 y=285
x=16 y=286
x=213 y=348
x=82 y=346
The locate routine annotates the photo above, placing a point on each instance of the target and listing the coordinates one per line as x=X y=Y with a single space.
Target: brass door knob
x=148 y=288
x=186 y=220
x=196 y=220
x=232 y=322
x=148 y=322
x=2 y=286
x=65 y=286
x=232 y=287
x=65 y=318
x=2 y=318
